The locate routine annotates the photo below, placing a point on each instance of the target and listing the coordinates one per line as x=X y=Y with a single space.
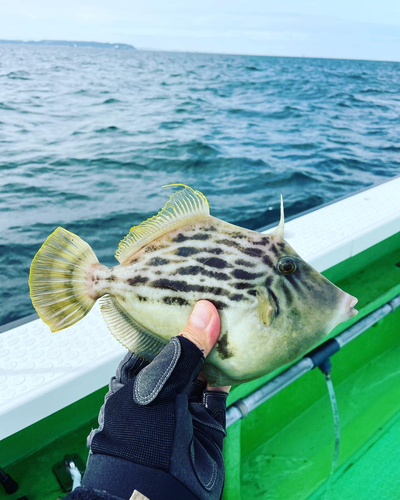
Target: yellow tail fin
x=57 y=279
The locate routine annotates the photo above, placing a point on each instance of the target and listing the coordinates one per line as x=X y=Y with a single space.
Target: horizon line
x=150 y=49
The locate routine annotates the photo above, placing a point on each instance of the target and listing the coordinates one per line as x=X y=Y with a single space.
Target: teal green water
x=89 y=136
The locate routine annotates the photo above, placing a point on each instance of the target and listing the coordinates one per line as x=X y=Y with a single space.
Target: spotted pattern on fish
x=287 y=293
x=267 y=260
x=251 y=251
x=214 y=262
x=225 y=267
x=242 y=285
x=237 y=297
x=195 y=270
x=186 y=251
x=240 y=274
x=137 y=280
x=217 y=303
x=275 y=299
x=268 y=281
x=216 y=251
x=245 y=263
x=264 y=241
x=171 y=301
x=199 y=236
x=274 y=249
x=158 y=261
x=223 y=347
x=182 y=286
x=294 y=282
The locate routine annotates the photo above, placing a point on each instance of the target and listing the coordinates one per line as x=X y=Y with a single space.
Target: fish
x=274 y=307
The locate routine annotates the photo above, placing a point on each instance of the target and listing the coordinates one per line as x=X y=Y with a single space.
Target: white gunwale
x=42 y=372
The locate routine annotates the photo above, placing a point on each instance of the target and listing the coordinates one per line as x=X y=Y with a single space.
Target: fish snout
x=347 y=306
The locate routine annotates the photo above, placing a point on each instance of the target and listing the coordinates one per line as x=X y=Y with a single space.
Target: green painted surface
x=287 y=443
x=46 y=431
x=44 y=444
x=374 y=475
x=283 y=449
x=232 y=449
x=34 y=474
x=295 y=455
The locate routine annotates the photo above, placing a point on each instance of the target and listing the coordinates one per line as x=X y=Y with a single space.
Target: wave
x=109 y=101
x=6 y=107
x=242 y=129
x=111 y=128
x=18 y=75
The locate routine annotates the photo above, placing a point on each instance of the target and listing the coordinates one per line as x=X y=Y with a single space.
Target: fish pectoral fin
x=182 y=205
x=266 y=311
x=129 y=332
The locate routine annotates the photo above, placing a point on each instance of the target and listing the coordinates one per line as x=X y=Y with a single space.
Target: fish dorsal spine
x=182 y=205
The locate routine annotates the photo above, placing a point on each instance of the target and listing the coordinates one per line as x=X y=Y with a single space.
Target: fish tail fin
x=58 y=279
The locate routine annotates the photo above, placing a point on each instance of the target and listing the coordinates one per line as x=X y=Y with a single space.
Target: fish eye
x=287 y=265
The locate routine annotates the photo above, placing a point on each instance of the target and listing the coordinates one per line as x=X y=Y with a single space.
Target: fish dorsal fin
x=182 y=205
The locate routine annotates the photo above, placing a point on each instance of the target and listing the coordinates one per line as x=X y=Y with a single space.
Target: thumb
x=203 y=327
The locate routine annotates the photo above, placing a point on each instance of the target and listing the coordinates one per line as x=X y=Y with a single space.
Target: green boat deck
x=283 y=450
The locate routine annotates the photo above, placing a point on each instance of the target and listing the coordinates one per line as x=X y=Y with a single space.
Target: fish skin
x=267 y=319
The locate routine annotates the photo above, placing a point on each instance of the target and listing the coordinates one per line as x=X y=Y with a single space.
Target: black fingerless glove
x=159 y=432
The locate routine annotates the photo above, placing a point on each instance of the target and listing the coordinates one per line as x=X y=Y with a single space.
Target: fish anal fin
x=182 y=205
x=128 y=332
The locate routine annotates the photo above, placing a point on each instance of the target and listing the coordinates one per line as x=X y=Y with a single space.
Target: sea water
x=89 y=136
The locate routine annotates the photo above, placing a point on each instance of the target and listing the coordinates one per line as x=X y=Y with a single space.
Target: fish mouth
x=350 y=303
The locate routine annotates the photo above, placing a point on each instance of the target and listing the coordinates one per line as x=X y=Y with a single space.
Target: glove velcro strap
x=200 y=414
x=151 y=379
x=178 y=363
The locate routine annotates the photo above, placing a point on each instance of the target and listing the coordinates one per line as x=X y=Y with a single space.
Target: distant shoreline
x=75 y=44
x=124 y=46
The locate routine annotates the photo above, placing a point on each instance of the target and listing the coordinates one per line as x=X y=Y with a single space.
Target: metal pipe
x=242 y=407
x=362 y=325
x=8 y=483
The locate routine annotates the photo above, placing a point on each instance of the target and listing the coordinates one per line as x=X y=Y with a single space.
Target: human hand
x=161 y=428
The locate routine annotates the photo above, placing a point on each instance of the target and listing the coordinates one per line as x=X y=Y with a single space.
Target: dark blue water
x=89 y=136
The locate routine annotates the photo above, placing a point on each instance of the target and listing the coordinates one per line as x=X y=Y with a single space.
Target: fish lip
x=353 y=312
x=352 y=302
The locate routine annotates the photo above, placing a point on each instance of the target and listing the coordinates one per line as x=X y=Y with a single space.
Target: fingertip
x=214 y=325
x=203 y=327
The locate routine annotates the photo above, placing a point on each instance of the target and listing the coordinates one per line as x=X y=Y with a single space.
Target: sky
x=348 y=29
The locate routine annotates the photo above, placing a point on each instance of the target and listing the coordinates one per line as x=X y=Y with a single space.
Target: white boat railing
x=41 y=372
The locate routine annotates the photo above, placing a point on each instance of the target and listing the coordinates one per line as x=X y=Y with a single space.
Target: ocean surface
x=89 y=136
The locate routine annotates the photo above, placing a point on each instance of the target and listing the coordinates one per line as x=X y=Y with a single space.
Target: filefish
x=273 y=306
